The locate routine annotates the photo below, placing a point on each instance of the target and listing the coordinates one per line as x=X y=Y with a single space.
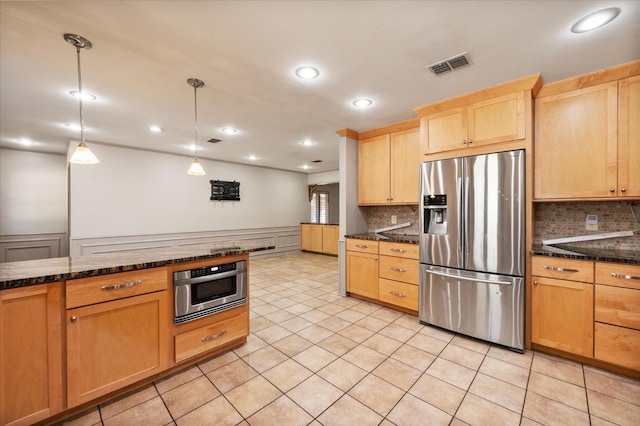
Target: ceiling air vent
x=450 y=64
x=214 y=140
x=316 y=161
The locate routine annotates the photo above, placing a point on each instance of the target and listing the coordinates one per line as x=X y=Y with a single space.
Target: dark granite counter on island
x=393 y=238
x=594 y=254
x=40 y=271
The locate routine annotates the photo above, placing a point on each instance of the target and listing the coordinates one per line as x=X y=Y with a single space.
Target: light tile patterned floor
x=317 y=358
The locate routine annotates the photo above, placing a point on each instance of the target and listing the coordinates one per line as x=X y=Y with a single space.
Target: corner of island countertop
x=42 y=271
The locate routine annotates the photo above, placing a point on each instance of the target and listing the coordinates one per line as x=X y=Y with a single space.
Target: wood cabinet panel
x=399 y=269
x=362 y=246
x=405 y=167
x=444 y=131
x=104 y=288
x=409 y=251
x=566 y=269
x=617 y=306
x=576 y=144
x=311 y=237
x=209 y=337
x=562 y=315
x=374 y=170
x=30 y=354
x=330 y=237
x=496 y=120
x=362 y=274
x=629 y=137
x=617 y=345
x=398 y=293
x=618 y=274
x=114 y=344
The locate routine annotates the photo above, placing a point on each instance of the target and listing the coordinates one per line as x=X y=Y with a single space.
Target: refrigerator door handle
x=466 y=218
x=460 y=213
x=477 y=280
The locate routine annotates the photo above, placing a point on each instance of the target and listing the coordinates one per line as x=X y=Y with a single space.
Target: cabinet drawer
x=104 y=288
x=564 y=269
x=211 y=336
x=618 y=306
x=618 y=274
x=399 y=294
x=409 y=251
x=362 y=246
x=399 y=269
x=617 y=345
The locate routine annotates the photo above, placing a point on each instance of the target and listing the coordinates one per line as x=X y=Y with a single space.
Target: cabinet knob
x=535 y=283
x=470 y=140
x=464 y=142
x=74 y=318
x=612 y=190
x=623 y=189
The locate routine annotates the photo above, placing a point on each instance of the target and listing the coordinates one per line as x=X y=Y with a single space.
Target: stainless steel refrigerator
x=472 y=220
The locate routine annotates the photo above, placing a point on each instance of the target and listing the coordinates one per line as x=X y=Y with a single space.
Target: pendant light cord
x=80 y=96
x=195 y=107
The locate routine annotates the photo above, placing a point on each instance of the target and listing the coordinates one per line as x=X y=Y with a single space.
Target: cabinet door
x=405 y=165
x=311 y=237
x=629 y=138
x=576 y=144
x=362 y=274
x=497 y=120
x=562 y=315
x=30 y=354
x=445 y=130
x=374 y=170
x=330 y=236
x=114 y=344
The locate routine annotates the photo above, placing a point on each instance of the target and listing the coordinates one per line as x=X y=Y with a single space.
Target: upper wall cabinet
x=496 y=115
x=388 y=167
x=587 y=143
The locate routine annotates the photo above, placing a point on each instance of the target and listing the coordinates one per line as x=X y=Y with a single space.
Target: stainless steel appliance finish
x=208 y=290
x=472 y=246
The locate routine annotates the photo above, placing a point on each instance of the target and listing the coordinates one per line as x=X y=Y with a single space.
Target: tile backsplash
x=380 y=217
x=558 y=220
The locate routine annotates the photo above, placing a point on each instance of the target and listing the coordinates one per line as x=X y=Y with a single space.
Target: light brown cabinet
x=30 y=354
x=587 y=142
x=111 y=344
x=562 y=304
x=617 y=314
x=501 y=119
x=388 y=167
x=319 y=238
x=383 y=271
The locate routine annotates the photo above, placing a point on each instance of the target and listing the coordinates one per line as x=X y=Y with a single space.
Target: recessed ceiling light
x=229 y=130
x=85 y=96
x=155 y=129
x=362 y=103
x=252 y=157
x=307 y=142
x=307 y=72
x=305 y=166
x=595 y=20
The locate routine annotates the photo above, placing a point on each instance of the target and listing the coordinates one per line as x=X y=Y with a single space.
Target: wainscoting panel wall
x=15 y=248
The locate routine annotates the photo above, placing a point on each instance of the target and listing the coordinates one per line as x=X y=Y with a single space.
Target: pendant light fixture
x=196 y=168
x=82 y=154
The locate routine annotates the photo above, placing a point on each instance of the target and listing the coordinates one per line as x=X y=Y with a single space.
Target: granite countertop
x=582 y=253
x=311 y=223
x=393 y=238
x=40 y=271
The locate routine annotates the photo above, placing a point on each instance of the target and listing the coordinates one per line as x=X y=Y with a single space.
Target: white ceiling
x=246 y=53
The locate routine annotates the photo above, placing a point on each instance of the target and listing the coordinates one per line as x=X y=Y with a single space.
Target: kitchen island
x=77 y=331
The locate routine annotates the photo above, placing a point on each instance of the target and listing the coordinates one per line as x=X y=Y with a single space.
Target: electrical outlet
x=394 y=219
x=592 y=222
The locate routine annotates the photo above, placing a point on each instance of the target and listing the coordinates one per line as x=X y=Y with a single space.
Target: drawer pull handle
x=121 y=286
x=625 y=277
x=214 y=336
x=400 y=250
x=393 y=268
x=556 y=268
x=362 y=246
x=395 y=293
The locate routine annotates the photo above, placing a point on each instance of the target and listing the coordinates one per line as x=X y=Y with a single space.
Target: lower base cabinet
x=362 y=274
x=617 y=345
x=30 y=354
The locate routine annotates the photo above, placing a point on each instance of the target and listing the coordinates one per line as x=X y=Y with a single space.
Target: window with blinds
x=320 y=207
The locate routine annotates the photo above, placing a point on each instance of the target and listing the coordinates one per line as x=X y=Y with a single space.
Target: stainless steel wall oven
x=205 y=291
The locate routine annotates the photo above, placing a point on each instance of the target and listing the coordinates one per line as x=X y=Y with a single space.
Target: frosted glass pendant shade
x=196 y=169
x=83 y=155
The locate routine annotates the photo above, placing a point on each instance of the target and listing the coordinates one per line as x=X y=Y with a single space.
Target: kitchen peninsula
x=79 y=330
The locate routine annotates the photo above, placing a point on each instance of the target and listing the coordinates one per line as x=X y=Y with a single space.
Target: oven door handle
x=211 y=277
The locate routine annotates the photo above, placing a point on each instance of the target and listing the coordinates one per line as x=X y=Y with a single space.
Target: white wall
x=33 y=193
x=134 y=192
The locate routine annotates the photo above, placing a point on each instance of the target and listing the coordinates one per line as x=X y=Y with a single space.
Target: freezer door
x=440 y=213
x=486 y=306
x=495 y=213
